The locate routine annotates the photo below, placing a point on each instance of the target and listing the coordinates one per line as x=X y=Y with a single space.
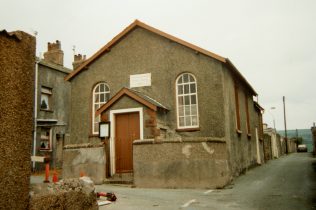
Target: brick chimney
x=54 y=53
x=78 y=60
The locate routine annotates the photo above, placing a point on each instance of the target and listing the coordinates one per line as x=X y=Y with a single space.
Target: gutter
x=35 y=111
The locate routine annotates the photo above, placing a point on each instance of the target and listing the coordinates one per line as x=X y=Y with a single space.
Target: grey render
x=51 y=75
x=143 y=51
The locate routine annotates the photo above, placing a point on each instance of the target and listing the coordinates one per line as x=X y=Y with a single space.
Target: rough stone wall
x=72 y=194
x=17 y=64
x=267 y=147
x=279 y=144
x=80 y=160
x=186 y=164
x=283 y=146
x=292 y=147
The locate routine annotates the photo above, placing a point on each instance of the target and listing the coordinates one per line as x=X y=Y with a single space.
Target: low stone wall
x=76 y=194
x=292 y=147
x=88 y=160
x=267 y=147
x=180 y=164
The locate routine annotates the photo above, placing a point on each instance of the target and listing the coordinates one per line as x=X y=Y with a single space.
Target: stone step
x=123 y=178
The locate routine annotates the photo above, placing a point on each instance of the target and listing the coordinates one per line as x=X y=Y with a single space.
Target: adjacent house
x=272 y=142
x=174 y=114
x=52 y=106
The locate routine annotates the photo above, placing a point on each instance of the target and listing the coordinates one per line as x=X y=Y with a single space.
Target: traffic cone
x=82 y=174
x=55 y=176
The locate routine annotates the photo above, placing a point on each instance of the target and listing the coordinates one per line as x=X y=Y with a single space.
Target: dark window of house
x=187 y=101
x=260 y=125
x=46 y=141
x=247 y=115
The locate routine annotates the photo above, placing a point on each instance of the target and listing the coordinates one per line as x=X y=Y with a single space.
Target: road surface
x=287 y=183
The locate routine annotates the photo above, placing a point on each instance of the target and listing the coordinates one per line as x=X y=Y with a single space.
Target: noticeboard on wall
x=104 y=129
x=140 y=80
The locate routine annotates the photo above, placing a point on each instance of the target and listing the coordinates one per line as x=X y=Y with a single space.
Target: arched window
x=101 y=94
x=187 y=101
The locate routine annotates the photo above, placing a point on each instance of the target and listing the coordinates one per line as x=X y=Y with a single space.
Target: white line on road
x=207 y=192
x=188 y=203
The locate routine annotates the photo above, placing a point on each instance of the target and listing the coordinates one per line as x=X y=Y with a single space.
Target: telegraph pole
x=286 y=143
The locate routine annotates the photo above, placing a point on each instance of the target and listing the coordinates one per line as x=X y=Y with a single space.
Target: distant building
x=272 y=142
x=304 y=133
x=52 y=106
x=313 y=129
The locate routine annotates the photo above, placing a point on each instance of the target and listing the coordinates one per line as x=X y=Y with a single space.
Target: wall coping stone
x=85 y=145
x=180 y=140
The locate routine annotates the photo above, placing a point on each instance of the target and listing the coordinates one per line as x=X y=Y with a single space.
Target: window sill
x=45 y=150
x=249 y=136
x=46 y=110
x=93 y=135
x=188 y=129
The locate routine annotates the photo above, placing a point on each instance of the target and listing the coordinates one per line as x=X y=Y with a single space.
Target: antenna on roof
x=74 y=49
x=34 y=32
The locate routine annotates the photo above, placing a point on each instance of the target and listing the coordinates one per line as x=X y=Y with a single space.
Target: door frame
x=112 y=137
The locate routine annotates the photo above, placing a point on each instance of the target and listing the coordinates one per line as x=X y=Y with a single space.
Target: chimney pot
x=54 y=53
x=78 y=60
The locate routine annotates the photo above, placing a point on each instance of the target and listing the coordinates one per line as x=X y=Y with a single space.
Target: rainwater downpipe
x=35 y=109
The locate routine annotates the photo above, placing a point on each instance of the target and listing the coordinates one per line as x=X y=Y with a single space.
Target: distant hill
x=306 y=134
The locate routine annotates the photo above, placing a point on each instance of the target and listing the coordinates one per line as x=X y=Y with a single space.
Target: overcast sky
x=271 y=42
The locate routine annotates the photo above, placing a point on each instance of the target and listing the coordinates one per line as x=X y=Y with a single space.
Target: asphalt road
x=287 y=183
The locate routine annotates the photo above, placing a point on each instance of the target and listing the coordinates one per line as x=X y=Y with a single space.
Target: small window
x=247 y=115
x=238 y=127
x=260 y=125
x=46 y=94
x=101 y=94
x=45 y=143
x=187 y=101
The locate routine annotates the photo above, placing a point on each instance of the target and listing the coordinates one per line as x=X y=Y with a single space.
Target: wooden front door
x=126 y=131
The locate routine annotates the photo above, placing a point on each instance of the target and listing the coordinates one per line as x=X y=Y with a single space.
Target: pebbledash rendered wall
x=142 y=51
x=244 y=148
x=165 y=60
x=17 y=68
x=195 y=163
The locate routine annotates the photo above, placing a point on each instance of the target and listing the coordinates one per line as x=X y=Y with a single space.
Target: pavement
x=287 y=183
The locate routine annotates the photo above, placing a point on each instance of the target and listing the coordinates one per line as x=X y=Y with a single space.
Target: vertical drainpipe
x=35 y=110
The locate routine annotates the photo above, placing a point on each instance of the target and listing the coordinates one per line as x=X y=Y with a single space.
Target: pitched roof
x=257 y=105
x=137 y=96
x=136 y=24
x=54 y=66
